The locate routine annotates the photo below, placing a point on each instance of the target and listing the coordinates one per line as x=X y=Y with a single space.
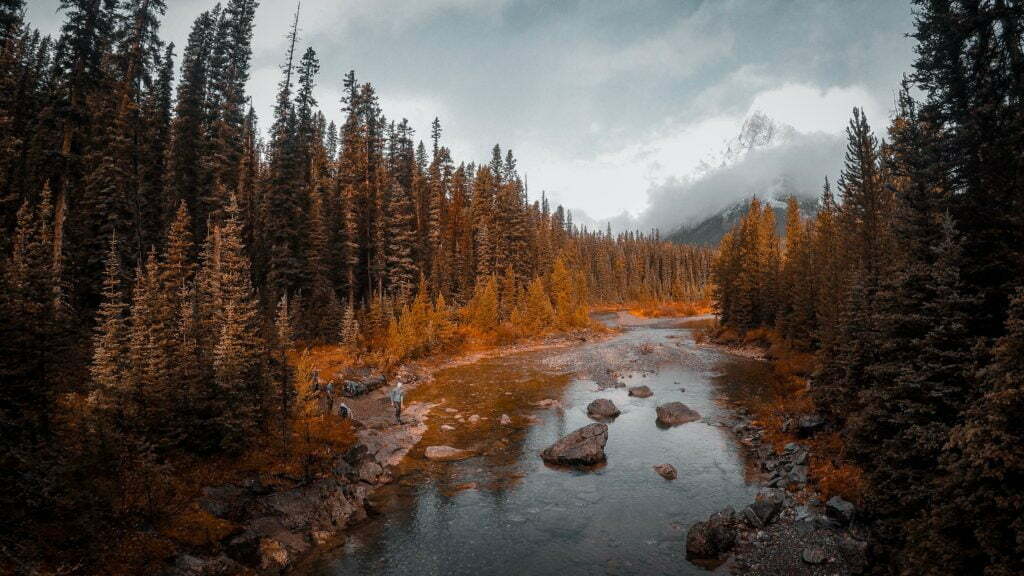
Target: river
x=506 y=512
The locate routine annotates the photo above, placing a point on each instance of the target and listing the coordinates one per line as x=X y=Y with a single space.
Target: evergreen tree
x=188 y=179
x=110 y=345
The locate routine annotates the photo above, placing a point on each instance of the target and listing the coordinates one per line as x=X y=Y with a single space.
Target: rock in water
x=712 y=537
x=505 y=420
x=447 y=454
x=602 y=408
x=667 y=471
x=676 y=413
x=640 y=391
x=583 y=447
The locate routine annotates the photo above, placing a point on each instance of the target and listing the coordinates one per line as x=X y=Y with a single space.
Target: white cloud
x=674 y=177
x=812 y=109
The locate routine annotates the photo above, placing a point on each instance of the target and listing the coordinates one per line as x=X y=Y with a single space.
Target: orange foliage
x=828 y=468
x=196 y=527
x=834 y=476
x=663 y=309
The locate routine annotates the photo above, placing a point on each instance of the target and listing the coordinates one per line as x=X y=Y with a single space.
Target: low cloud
x=796 y=167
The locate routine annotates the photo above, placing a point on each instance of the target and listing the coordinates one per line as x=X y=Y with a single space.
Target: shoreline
x=280 y=530
x=788 y=529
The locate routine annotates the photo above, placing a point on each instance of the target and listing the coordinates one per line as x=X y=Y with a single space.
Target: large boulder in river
x=583 y=447
x=640 y=391
x=712 y=537
x=676 y=413
x=602 y=408
x=447 y=454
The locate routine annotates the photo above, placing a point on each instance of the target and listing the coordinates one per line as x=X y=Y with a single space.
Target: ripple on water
x=515 y=515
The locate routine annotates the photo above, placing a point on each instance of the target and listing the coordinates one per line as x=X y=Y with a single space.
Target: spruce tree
x=110 y=344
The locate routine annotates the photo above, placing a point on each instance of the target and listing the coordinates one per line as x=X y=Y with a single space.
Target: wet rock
x=751 y=517
x=667 y=471
x=549 y=403
x=712 y=537
x=797 y=475
x=640 y=391
x=602 y=408
x=447 y=454
x=676 y=413
x=474 y=419
x=447 y=427
x=505 y=420
x=583 y=447
x=813 y=555
x=768 y=504
x=808 y=425
x=317 y=505
x=839 y=510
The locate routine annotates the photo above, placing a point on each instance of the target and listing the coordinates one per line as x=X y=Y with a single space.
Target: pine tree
x=350 y=327
x=401 y=267
x=981 y=473
x=187 y=177
x=110 y=345
x=282 y=214
x=968 y=66
x=284 y=375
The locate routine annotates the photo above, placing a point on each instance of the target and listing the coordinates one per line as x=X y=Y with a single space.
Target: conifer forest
x=312 y=340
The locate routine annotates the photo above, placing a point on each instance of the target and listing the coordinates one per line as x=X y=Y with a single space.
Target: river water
x=506 y=512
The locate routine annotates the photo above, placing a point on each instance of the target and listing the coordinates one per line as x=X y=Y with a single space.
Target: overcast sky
x=603 y=101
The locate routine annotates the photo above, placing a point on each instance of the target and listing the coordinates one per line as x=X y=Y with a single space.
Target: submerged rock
x=583 y=447
x=505 y=420
x=640 y=391
x=602 y=408
x=713 y=537
x=447 y=454
x=667 y=471
x=676 y=413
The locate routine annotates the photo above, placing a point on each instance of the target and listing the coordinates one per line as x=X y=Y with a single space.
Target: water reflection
x=505 y=512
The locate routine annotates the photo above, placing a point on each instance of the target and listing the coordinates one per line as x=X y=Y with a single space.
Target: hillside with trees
x=907 y=288
x=164 y=257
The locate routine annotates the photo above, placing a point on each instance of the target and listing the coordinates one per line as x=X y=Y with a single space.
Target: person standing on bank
x=397 y=398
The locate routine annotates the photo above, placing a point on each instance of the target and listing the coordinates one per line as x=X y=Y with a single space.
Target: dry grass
x=660 y=309
x=829 y=469
x=834 y=476
x=198 y=528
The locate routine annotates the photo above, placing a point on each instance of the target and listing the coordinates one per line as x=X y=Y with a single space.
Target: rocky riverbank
x=275 y=525
x=787 y=529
